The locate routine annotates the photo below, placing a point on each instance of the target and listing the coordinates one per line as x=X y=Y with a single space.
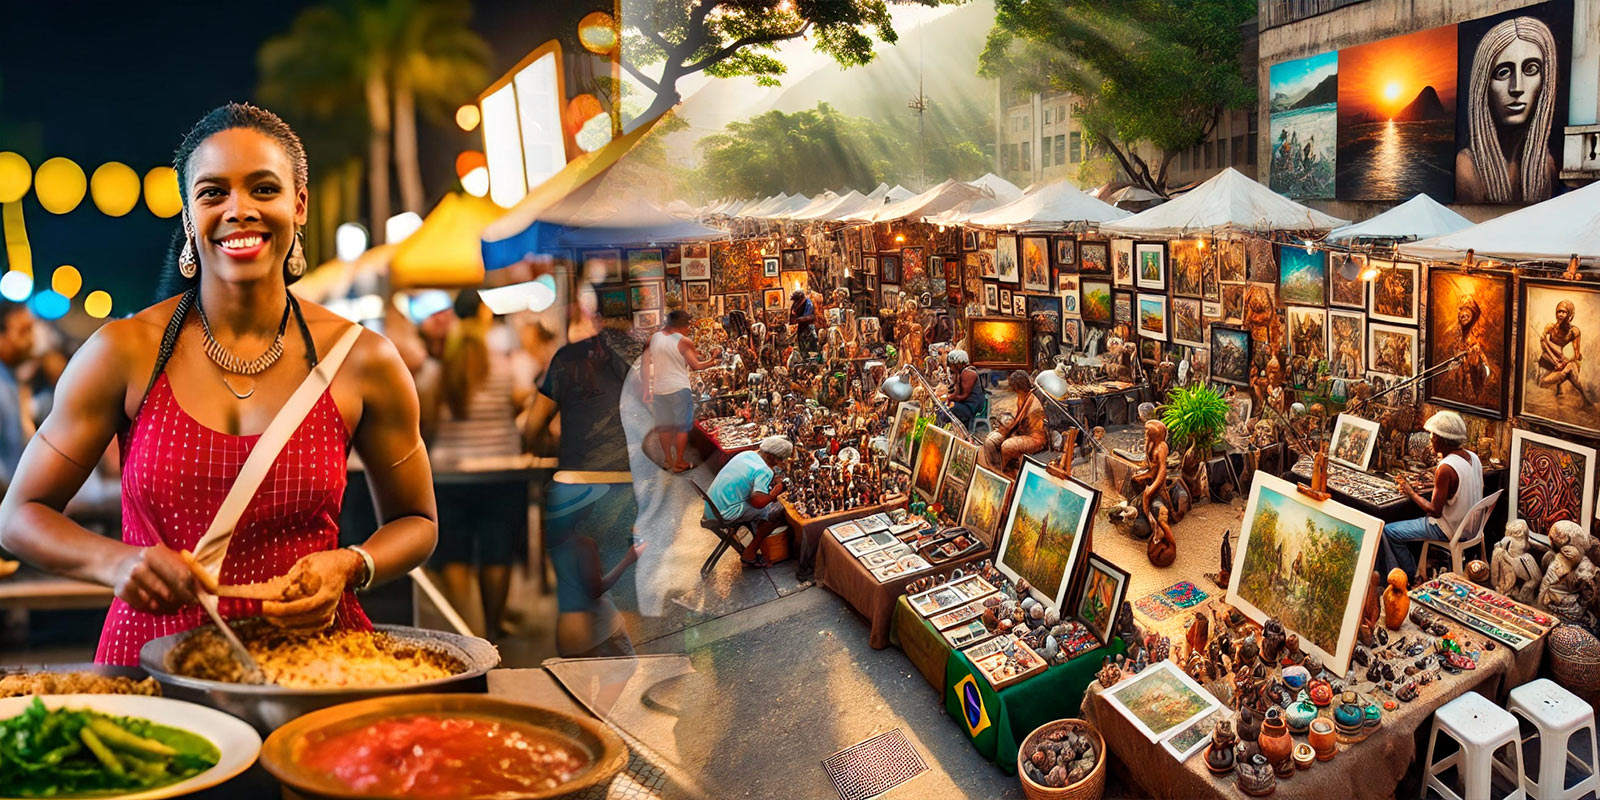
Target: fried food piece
x=30 y=683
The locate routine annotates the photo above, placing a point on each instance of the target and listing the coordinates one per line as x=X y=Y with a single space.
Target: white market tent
x=681 y=209
x=634 y=221
x=763 y=206
x=1420 y=217
x=1133 y=194
x=899 y=193
x=778 y=208
x=1550 y=231
x=937 y=200
x=1228 y=202
x=826 y=198
x=848 y=203
x=1005 y=191
x=1050 y=206
x=959 y=214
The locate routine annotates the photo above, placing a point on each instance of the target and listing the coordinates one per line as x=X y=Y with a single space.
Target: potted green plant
x=1195 y=417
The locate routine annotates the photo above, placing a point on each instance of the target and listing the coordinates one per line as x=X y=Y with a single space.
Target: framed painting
x=1231 y=262
x=1069 y=296
x=986 y=263
x=1306 y=562
x=613 y=301
x=1553 y=480
x=602 y=266
x=1559 y=392
x=697 y=291
x=769 y=267
x=1188 y=258
x=999 y=343
x=1019 y=305
x=1161 y=700
x=1094 y=257
x=1066 y=253
x=931 y=460
x=646 y=264
x=1095 y=301
x=1005 y=301
x=739 y=302
x=1005 y=260
x=793 y=259
x=1150 y=265
x=959 y=464
x=1122 y=307
x=772 y=299
x=1072 y=334
x=1353 y=440
x=1104 y=586
x=969 y=240
x=889 y=267
x=647 y=320
x=1346 y=292
x=1211 y=310
x=1187 y=324
x=1469 y=314
x=1393 y=294
x=1260 y=261
x=902 y=447
x=867 y=244
x=1233 y=303
x=1045 y=531
x=697 y=262
x=1122 y=262
x=1035 y=264
x=869 y=265
x=991 y=297
x=1152 y=316
x=986 y=502
x=1392 y=350
x=1302 y=276
x=1230 y=355
x=645 y=295
x=1192 y=738
x=1308 y=332
x=1347 y=332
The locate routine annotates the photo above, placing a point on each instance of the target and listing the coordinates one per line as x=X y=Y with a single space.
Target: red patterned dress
x=175 y=473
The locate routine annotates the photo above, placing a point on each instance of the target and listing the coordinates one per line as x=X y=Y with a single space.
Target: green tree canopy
x=1154 y=71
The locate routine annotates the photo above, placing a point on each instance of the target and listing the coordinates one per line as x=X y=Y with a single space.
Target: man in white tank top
x=667 y=362
x=1457 y=487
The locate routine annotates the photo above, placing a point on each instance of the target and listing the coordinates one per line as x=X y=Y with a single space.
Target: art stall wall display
x=1450 y=111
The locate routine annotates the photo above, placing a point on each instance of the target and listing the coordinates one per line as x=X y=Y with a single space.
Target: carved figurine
x=1153 y=476
x=1292 y=654
x=1219 y=754
x=1225 y=560
x=1563 y=533
x=1371 y=608
x=1199 y=634
x=1124 y=626
x=1272 y=640
x=1514 y=572
x=1395 y=600
x=1561 y=589
x=1162 y=549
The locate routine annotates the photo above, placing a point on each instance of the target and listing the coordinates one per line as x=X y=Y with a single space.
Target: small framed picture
x=647 y=319
x=697 y=291
x=772 y=299
x=1019 y=305
x=794 y=259
x=769 y=267
x=1005 y=301
x=991 y=297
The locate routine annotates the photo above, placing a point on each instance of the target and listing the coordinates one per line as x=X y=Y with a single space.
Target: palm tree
x=382 y=56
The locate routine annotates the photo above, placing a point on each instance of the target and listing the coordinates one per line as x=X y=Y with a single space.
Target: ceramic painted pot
x=1321 y=692
x=1255 y=776
x=1274 y=741
x=1304 y=756
x=1323 y=739
x=1298 y=715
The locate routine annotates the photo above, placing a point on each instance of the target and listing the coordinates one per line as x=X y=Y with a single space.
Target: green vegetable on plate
x=65 y=753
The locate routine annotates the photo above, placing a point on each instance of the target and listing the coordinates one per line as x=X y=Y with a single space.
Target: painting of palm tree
x=1044 y=532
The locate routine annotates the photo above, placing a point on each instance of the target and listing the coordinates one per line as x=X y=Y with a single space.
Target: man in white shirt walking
x=667 y=362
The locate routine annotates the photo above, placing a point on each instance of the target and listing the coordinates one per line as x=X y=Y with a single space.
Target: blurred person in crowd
x=187 y=385
x=747 y=490
x=529 y=360
x=668 y=359
x=16 y=417
x=803 y=315
x=466 y=352
x=589 y=508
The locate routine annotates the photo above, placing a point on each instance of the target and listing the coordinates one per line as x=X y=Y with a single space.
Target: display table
x=844 y=575
x=715 y=454
x=808 y=532
x=1371 y=768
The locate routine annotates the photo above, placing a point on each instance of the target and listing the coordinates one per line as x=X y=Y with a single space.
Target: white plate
x=237 y=742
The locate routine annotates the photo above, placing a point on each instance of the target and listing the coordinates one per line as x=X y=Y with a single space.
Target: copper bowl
x=607 y=754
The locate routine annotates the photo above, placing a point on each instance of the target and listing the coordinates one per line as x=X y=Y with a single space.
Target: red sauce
x=428 y=756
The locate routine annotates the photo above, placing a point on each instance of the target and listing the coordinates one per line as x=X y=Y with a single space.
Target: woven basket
x=1090 y=788
x=1575 y=658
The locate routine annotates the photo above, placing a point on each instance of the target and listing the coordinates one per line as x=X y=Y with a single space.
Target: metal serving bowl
x=281 y=753
x=269 y=706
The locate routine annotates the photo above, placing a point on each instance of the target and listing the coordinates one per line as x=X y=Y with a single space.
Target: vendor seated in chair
x=967 y=397
x=1023 y=435
x=747 y=491
x=1457 y=487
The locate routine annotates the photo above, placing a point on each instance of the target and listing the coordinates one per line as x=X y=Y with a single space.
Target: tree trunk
x=406 y=162
x=380 y=124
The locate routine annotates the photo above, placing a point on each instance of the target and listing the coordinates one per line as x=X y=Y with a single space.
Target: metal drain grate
x=874 y=766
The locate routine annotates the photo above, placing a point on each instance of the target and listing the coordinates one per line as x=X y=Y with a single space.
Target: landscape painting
x=1302 y=276
x=1096 y=305
x=999 y=342
x=930 y=461
x=986 y=497
x=1552 y=479
x=1044 y=532
x=1152 y=316
x=1304 y=125
x=1230 y=355
x=1397 y=117
x=1103 y=591
x=1352 y=441
x=1160 y=700
x=1307 y=563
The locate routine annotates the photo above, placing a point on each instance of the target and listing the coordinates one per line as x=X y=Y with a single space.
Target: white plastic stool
x=1481 y=728
x=1559 y=715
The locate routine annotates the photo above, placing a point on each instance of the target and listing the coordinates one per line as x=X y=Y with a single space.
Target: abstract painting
x=613 y=301
x=1231 y=261
x=1122 y=262
x=1353 y=440
x=1187 y=326
x=697 y=291
x=1189 y=259
x=1394 y=292
x=1103 y=589
x=902 y=447
x=1553 y=480
x=1230 y=355
x=1392 y=350
x=1152 y=316
x=999 y=342
x=1556 y=385
x=1005 y=261
x=1397 y=110
x=1150 y=265
x=1346 y=292
x=1036 y=263
x=646 y=264
x=1508 y=119
x=1261 y=260
x=1122 y=307
x=1308 y=332
x=930 y=461
x=696 y=263
x=1347 y=331
x=1094 y=257
x=1044 y=533
x=986 y=498
x=1066 y=253
x=645 y=295
x=1302 y=276
x=1469 y=313
x=1096 y=301
x=1306 y=562
x=1161 y=700
x=1303 y=125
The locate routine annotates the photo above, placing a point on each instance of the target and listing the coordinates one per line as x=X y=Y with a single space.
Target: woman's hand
x=154 y=580
x=316 y=582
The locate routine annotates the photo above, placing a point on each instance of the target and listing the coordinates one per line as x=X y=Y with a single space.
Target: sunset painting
x=1397 y=101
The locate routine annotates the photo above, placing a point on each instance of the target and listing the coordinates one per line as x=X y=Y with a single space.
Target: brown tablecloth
x=715 y=454
x=845 y=576
x=1371 y=768
x=808 y=531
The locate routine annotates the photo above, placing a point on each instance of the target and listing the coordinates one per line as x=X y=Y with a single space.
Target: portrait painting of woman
x=1511 y=109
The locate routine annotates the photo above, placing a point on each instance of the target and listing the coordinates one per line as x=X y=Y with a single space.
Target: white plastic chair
x=1559 y=717
x=1468 y=535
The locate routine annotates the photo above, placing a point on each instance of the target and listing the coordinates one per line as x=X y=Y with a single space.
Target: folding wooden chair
x=727 y=532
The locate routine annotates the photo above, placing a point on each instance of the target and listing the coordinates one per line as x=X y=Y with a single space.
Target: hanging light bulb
x=899 y=237
x=1370 y=271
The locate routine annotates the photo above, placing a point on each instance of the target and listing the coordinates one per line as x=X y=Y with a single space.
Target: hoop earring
x=188 y=261
x=295 y=264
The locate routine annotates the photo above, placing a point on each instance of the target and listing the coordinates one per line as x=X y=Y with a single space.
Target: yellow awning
x=446 y=252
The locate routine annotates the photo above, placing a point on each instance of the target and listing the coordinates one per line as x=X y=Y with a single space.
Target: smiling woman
x=189 y=388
